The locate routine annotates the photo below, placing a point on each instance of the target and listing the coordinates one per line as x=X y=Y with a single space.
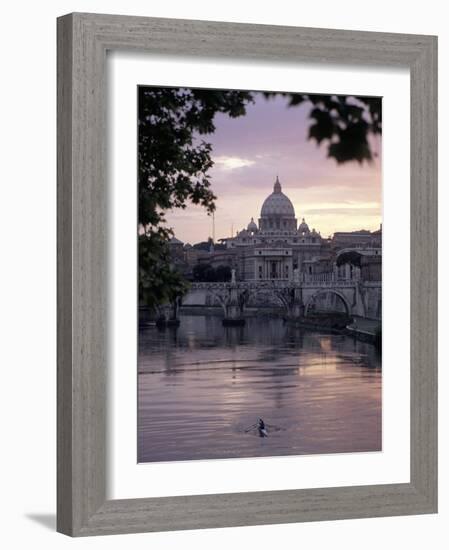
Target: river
x=202 y=387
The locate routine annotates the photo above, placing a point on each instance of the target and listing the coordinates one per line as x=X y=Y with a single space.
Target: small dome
x=252 y=226
x=303 y=227
x=277 y=204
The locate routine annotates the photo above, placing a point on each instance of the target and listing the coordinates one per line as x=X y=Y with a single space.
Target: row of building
x=278 y=248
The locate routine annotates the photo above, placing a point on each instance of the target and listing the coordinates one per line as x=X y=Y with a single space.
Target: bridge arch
x=220 y=296
x=205 y=295
x=274 y=296
x=223 y=296
x=323 y=291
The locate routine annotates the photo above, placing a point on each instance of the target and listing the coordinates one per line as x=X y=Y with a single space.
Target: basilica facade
x=276 y=246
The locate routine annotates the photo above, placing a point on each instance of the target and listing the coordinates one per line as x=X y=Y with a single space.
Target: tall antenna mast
x=213 y=227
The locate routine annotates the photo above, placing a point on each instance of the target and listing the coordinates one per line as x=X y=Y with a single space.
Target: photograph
x=259 y=273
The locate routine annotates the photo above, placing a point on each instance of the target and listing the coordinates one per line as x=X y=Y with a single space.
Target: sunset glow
x=271 y=139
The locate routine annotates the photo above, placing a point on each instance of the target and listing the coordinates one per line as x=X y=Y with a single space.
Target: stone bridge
x=296 y=298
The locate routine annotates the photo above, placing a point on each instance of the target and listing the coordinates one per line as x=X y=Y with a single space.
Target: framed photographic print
x=272 y=330
x=246 y=274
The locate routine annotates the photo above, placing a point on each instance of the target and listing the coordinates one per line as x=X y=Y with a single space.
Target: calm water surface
x=201 y=386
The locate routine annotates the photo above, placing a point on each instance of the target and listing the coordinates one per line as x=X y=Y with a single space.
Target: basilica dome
x=277 y=204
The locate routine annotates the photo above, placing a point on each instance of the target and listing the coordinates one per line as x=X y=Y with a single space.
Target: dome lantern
x=277 y=186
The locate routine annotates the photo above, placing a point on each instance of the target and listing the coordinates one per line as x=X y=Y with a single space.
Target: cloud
x=231 y=163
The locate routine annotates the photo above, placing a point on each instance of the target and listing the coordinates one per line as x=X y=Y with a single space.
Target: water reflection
x=201 y=385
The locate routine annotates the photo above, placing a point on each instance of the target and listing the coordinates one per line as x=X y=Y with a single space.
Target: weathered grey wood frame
x=83 y=40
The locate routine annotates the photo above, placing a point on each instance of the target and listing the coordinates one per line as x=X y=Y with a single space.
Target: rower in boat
x=261 y=428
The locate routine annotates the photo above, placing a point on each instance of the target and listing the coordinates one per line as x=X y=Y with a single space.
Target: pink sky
x=272 y=140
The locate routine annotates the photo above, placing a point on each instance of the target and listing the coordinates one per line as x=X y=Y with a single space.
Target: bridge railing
x=306 y=280
x=319 y=277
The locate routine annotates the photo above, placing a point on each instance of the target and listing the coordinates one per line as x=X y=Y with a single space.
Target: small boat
x=261 y=428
